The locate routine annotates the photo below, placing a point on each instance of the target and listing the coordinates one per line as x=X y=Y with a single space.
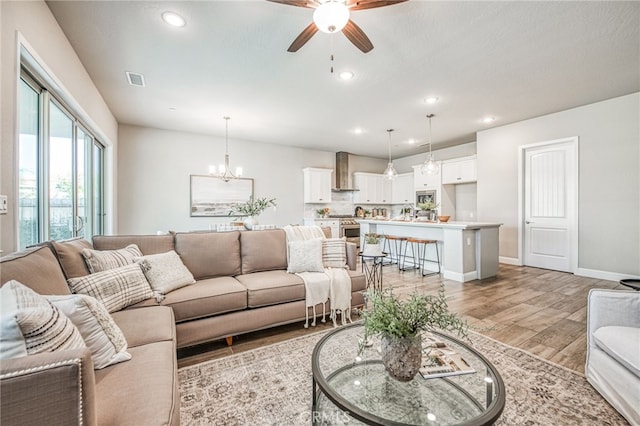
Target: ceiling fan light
x=331 y=17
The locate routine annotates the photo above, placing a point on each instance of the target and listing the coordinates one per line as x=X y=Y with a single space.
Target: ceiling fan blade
x=298 y=3
x=370 y=4
x=304 y=37
x=357 y=37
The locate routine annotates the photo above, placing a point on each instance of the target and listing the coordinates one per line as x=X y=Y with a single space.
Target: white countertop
x=424 y=224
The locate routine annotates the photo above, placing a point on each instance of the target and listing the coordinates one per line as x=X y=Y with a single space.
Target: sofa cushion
x=622 y=344
x=103 y=260
x=142 y=391
x=37 y=268
x=115 y=288
x=33 y=323
x=165 y=272
x=263 y=250
x=206 y=298
x=210 y=254
x=305 y=256
x=148 y=244
x=334 y=253
x=146 y=325
x=70 y=257
x=99 y=332
x=272 y=287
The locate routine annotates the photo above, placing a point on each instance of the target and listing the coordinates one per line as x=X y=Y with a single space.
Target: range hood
x=343 y=173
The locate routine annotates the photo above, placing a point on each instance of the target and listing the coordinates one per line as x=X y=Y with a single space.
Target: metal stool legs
x=419 y=247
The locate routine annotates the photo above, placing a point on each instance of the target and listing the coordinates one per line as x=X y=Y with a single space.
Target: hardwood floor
x=538 y=310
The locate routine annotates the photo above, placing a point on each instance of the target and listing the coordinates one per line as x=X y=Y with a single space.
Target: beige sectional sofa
x=241 y=286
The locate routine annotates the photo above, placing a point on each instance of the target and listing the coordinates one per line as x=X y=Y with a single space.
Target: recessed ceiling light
x=411 y=141
x=173 y=19
x=357 y=131
x=487 y=120
x=431 y=100
x=172 y=109
x=346 y=75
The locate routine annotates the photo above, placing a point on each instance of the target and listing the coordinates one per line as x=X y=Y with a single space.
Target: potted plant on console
x=372 y=245
x=400 y=324
x=252 y=209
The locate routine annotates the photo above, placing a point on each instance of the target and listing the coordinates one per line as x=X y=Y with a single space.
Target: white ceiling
x=510 y=60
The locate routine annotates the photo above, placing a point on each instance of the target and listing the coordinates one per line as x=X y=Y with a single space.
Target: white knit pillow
x=115 y=288
x=165 y=272
x=305 y=256
x=34 y=323
x=100 y=333
x=103 y=260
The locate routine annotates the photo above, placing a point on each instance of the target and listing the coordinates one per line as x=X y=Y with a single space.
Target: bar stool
x=395 y=247
x=419 y=247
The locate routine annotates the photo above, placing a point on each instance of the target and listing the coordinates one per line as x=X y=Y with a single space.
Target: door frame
x=573 y=142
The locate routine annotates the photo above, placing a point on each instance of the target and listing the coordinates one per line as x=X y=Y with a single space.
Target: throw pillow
x=100 y=333
x=103 y=260
x=34 y=324
x=115 y=288
x=334 y=253
x=165 y=272
x=305 y=256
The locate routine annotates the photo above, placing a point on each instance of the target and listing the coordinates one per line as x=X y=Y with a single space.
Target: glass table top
x=355 y=386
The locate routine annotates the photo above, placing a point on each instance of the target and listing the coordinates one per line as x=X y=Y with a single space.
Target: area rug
x=272 y=386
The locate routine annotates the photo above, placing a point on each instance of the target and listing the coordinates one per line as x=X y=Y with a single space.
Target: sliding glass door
x=60 y=173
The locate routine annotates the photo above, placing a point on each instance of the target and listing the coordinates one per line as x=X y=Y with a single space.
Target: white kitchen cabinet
x=317 y=185
x=402 y=190
x=424 y=180
x=460 y=171
x=334 y=224
x=372 y=189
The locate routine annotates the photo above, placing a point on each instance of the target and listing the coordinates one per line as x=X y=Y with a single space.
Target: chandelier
x=429 y=166
x=390 y=172
x=224 y=170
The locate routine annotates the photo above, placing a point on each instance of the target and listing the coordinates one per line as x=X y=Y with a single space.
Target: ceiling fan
x=331 y=16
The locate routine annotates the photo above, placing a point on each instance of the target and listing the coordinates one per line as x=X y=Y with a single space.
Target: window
x=60 y=174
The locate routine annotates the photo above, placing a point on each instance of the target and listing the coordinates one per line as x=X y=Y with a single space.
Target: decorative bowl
x=443 y=218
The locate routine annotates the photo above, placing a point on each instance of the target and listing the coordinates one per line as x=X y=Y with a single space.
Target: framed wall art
x=212 y=196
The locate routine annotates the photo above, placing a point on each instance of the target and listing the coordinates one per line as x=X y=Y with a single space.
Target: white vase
x=250 y=222
x=372 y=249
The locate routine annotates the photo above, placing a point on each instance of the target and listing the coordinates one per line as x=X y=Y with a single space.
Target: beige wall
x=609 y=180
x=154 y=167
x=32 y=23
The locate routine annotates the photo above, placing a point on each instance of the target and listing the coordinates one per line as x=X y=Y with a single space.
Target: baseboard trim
x=604 y=275
x=509 y=260
x=456 y=276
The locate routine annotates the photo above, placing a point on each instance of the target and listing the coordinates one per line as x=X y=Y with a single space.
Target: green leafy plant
x=251 y=207
x=429 y=205
x=323 y=211
x=372 y=238
x=390 y=316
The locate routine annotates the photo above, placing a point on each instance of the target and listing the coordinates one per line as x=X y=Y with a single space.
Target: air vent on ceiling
x=135 y=79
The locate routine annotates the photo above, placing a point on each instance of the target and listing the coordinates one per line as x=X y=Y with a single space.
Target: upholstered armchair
x=613 y=349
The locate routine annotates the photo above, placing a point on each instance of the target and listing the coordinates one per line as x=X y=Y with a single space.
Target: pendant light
x=430 y=166
x=224 y=171
x=390 y=172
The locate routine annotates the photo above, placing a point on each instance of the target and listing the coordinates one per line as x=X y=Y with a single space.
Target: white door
x=550 y=205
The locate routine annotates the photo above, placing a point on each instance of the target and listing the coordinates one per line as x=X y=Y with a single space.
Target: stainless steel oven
x=350 y=229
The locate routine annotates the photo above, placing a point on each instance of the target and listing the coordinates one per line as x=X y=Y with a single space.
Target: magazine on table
x=440 y=360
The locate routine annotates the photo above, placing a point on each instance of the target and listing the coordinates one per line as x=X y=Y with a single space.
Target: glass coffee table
x=351 y=388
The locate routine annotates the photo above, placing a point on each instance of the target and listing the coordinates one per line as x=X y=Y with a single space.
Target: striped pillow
x=115 y=288
x=44 y=328
x=103 y=260
x=100 y=333
x=334 y=253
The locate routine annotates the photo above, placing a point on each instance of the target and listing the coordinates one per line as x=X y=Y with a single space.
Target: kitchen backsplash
x=342 y=204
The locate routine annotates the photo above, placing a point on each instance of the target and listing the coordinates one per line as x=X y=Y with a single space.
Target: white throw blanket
x=333 y=283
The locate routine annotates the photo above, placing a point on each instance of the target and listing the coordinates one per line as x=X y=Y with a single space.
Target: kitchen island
x=468 y=250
